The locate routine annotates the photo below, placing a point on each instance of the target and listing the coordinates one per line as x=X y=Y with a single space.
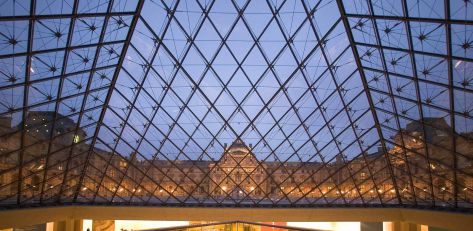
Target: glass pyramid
x=279 y=103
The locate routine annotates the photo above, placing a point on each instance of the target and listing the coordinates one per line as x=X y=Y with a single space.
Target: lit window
x=76 y=139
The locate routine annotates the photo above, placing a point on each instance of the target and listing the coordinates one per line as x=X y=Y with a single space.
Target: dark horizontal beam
x=62 y=16
x=412 y=19
x=31 y=82
x=36 y=52
x=444 y=56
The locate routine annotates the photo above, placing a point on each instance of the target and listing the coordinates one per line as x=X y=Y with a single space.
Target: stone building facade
x=423 y=173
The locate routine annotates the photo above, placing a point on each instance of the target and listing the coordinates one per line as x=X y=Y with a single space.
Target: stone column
x=405 y=226
x=68 y=225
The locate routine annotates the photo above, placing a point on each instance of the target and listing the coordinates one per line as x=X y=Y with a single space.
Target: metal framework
x=337 y=103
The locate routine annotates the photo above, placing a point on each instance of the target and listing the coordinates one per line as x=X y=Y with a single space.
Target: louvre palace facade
x=238 y=175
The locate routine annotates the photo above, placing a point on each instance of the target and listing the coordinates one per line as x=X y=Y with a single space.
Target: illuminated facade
x=239 y=175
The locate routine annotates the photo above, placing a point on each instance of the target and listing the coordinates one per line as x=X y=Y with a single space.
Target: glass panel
x=255 y=103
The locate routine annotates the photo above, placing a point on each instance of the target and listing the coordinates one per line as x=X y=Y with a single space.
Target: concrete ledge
x=32 y=216
x=22 y=217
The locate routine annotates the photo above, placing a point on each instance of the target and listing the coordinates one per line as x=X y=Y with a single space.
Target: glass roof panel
x=410 y=52
x=57 y=61
x=201 y=78
x=227 y=102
